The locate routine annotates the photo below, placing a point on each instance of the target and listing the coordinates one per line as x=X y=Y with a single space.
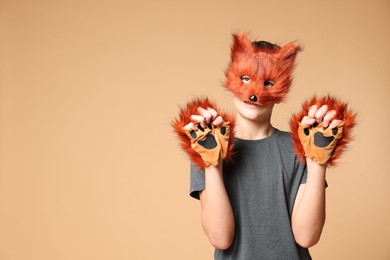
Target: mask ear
x=241 y=44
x=289 y=51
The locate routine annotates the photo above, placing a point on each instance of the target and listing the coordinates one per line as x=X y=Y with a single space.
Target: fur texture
x=185 y=117
x=261 y=62
x=342 y=113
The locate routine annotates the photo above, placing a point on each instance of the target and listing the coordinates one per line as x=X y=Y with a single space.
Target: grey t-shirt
x=262 y=184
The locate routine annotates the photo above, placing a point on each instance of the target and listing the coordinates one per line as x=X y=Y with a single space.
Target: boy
x=264 y=202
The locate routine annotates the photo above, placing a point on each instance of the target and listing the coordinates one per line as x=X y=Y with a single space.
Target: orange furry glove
x=205 y=146
x=318 y=141
x=210 y=143
x=321 y=144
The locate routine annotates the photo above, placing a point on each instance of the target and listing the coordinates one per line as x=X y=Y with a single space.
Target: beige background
x=90 y=168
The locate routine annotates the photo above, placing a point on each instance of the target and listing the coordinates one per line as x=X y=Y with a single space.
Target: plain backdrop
x=89 y=165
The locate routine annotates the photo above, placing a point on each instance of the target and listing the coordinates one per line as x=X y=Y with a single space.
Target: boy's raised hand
x=204 y=132
x=204 y=117
x=322 y=114
x=209 y=135
x=322 y=129
x=319 y=132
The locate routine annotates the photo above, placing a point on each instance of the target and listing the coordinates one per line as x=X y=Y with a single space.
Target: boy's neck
x=253 y=129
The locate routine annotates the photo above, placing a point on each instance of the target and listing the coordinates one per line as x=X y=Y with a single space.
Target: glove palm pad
x=211 y=143
x=319 y=142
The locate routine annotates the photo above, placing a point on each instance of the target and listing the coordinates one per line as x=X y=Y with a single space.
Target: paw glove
x=205 y=146
x=210 y=143
x=323 y=145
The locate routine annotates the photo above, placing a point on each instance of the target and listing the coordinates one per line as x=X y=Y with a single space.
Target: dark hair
x=263 y=45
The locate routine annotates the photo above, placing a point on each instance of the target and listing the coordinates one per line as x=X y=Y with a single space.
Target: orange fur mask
x=260 y=72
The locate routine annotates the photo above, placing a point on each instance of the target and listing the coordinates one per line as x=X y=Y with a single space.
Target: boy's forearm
x=217 y=214
x=309 y=215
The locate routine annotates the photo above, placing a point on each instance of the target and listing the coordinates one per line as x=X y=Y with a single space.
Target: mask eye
x=269 y=83
x=245 y=79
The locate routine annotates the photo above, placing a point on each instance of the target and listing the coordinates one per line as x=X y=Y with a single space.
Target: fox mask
x=260 y=72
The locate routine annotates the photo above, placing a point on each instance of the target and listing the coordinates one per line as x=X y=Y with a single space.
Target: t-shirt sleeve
x=197 y=181
x=300 y=170
x=304 y=175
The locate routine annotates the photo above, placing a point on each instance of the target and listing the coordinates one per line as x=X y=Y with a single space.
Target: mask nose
x=253 y=98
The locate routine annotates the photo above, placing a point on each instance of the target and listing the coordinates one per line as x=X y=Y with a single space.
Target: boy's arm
x=320 y=133
x=308 y=216
x=217 y=214
x=206 y=135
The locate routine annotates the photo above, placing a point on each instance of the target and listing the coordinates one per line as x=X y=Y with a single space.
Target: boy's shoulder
x=283 y=135
x=284 y=138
